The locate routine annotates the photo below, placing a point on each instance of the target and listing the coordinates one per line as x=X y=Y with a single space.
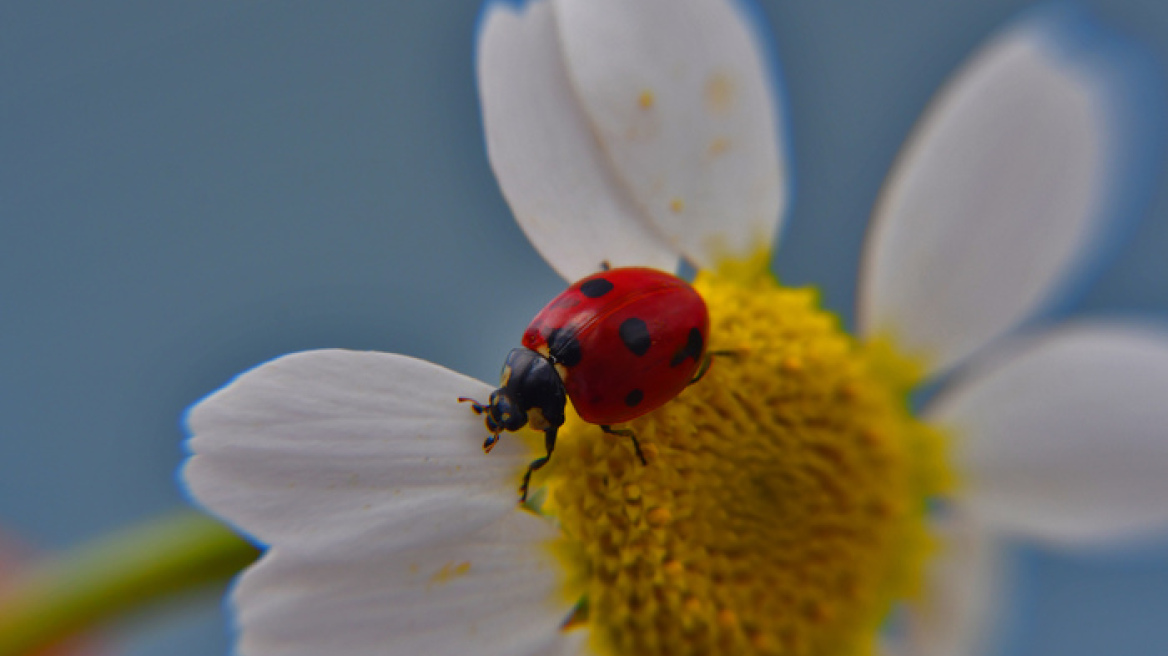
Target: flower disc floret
x=783 y=509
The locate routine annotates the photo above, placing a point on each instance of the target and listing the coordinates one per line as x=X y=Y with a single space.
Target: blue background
x=189 y=189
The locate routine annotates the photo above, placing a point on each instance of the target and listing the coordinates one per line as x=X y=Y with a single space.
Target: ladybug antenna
x=478 y=408
x=492 y=425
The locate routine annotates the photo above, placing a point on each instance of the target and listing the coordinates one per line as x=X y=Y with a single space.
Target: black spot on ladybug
x=692 y=348
x=564 y=348
x=596 y=288
x=634 y=397
x=635 y=335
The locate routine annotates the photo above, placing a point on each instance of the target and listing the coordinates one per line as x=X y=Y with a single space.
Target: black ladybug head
x=504 y=413
x=530 y=390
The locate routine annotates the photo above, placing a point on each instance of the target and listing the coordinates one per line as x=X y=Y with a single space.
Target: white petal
x=327 y=449
x=1065 y=437
x=573 y=643
x=683 y=100
x=495 y=592
x=1023 y=165
x=545 y=156
x=962 y=596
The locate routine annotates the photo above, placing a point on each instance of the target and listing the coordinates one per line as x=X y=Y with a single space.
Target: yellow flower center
x=783 y=509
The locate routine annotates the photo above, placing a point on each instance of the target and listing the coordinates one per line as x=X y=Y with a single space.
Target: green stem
x=114 y=575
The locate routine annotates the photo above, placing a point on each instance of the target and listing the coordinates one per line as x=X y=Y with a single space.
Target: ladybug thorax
x=530 y=392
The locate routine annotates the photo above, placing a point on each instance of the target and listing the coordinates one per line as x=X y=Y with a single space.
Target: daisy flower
x=793 y=500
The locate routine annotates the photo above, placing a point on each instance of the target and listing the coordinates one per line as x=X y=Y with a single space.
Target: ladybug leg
x=604 y=265
x=703 y=368
x=624 y=432
x=549 y=440
x=489 y=443
x=708 y=359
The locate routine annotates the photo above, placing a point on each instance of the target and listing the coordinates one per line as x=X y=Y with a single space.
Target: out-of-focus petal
x=1021 y=169
x=547 y=159
x=962 y=593
x=572 y=643
x=491 y=593
x=680 y=95
x=1065 y=437
x=333 y=449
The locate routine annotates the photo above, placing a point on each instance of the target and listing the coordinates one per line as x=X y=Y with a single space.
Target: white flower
x=643 y=133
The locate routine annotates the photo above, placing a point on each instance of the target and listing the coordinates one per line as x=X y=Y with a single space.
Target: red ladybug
x=619 y=343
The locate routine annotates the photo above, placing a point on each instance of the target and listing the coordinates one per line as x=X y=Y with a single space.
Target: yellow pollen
x=718 y=146
x=783 y=509
x=450 y=571
x=719 y=94
x=646 y=99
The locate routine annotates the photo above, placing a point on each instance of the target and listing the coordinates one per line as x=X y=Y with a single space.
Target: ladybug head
x=500 y=413
x=530 y=390
x=503 y=413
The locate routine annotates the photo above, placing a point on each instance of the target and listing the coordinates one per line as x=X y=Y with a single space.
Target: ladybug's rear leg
x=624 y=432
x=708 y=359
x=702 y=368
x=549 y=440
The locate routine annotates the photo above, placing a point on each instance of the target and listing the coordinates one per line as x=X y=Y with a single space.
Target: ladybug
x=619 y=343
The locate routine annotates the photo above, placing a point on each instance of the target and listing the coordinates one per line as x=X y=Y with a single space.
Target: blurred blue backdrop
x=189 y=189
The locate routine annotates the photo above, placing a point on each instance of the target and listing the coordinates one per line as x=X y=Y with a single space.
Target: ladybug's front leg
x=549 y=440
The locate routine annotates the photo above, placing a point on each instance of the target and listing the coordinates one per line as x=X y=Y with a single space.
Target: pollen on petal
x=450 y=571
x=719 y=94
x=783 y=507
x=718 y=146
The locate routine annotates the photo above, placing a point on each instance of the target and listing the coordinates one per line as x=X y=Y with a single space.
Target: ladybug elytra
x=619 y=343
